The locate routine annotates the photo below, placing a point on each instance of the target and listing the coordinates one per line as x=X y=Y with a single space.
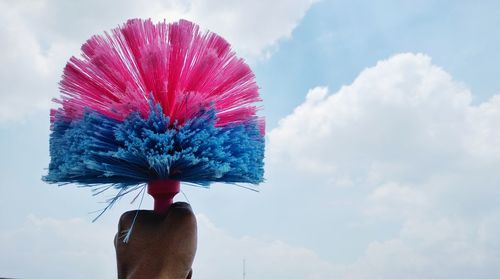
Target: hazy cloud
x=416 y=153
x=75 y=248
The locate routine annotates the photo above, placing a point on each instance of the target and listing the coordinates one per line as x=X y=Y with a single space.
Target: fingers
x=158 y=243
x=128 y=217
x=184 y=205
x=179 y=212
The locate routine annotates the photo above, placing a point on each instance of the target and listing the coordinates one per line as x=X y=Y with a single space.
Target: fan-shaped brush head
x=156 y=104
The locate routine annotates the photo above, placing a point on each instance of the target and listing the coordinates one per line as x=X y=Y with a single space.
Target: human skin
x=160 y=246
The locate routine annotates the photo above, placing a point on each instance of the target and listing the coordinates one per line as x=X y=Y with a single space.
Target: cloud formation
x=53 y=248
x=75 y=248
x=221 y=255
x=413 y=150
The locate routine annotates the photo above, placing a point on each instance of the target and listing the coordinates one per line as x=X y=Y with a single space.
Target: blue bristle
x=97 y=149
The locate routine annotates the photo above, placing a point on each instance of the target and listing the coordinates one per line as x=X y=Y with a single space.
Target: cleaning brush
x=156 y=104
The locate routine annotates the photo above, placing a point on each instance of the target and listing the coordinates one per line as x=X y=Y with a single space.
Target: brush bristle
x=163 y=101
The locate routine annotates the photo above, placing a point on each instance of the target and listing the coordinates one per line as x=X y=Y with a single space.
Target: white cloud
x=52 y=248
x=255 y=27
x=403 y=113
x=434 y=248
x=418 y=154
x=394 y=200
x=75 y=248
x=39 y=36
x=221 y=255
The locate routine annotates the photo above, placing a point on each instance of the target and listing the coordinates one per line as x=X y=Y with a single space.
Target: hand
x=160 y=246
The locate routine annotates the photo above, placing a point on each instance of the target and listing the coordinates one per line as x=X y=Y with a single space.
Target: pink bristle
x=262 y=125
x=183 y=69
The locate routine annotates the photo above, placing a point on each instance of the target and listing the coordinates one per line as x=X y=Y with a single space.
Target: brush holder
x=163 y=192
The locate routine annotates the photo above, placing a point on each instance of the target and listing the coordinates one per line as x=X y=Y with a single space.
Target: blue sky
x=336 y=40
x=381 y=156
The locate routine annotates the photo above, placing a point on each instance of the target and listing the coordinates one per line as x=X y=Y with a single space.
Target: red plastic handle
x=163 y=192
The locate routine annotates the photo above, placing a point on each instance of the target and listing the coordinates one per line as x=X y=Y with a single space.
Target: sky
x=382 y=150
